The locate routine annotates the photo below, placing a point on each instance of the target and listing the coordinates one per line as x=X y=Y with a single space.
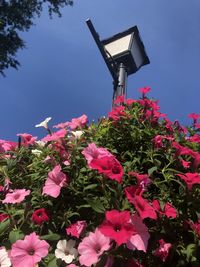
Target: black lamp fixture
x=123 y=53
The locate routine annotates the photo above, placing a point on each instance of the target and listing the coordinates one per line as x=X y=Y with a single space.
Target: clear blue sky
x=63 y=74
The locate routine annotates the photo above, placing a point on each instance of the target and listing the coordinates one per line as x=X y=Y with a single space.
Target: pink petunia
x=144 y=208
x=139 y=240
x=168 y=210
x=7 y=146
x=92 y=247
x=79 y=122
x=17 y=196
x=76 y=229
x=144 y=91
x=195 y=227
x=28 y=252
x=27 y=139
x=163 y=250
x=116 y=113
x=93 y=152
x=117 y=226
x=55 y=181
x=190 y=179
x=108 y=166
x=3 y=217
x=55 y=136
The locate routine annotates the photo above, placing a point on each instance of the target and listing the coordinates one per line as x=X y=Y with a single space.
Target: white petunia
x=66 y=251
x=44 y=123
x=4 y=259
x=36 y=152
x=77 y=134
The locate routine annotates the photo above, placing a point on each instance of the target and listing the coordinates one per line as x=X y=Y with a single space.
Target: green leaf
x=53 y=263
x=51 y=237
x=15 y=235
x=3 y=226
x=96 y=205
x=91 y=186
x=151 y=170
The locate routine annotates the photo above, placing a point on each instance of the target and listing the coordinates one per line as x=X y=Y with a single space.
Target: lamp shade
x=127 y=48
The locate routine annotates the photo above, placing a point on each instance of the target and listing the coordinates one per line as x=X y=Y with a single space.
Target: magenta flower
x=139 y=240
x=168 y=210
x=17 y=196
x=118 y=226
x=144 y=91
x=55 y=136
x=93 y=152
x=27 y=139
x=195 y=227
x=78 y=122
x=76 y=229
x=144 y=208
x=190 y=179
x=7 y=146
x=55 y=181
x=163 y=251
x=28 y=252
x=116 y=113
x=92 y=247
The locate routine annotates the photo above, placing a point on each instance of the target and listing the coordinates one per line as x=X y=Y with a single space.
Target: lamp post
x=123 y=53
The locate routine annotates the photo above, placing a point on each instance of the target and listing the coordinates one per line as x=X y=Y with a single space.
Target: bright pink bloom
x=139 y=240
x=118 y=226
x=163 y=251
x=62 y=125
x=17 y=196
x=117 y=113
x=72 y=265
x=186 y=164
x=144 y=90
x=78 y=122
x=195 y=138
x=28 y=252
x=168 y=210
x=108 y=166
x=130 y=101
x=194 y=116
x=190 y=179
x=7 y=146
x=40 y=216
x=76 y=229
x=3 y=217
x=195 y=227
x=55 y=181
x=92 y=247
x=142 y=179
x=132 y=191
x=93 y=152
x=144 y=208
x=55 y=136
x=27 y=139
x=119 y=99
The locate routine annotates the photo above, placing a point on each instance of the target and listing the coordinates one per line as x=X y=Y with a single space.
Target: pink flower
x=195 y=227
x=55 y=181
x=108 y=166
x=55 y=136
x=72 y=265
x=163 y=251
x=144 y=208
x=92 y=247
x=142 y=179
x=27 y=139
x=119 y=99
x=93 y=152
x=144 y=90
x=190 y=179
x=139 y=240
x=76 y=229
x=169 y=210
x=39 y=216
x=17 y=196
x=194 y=116
x=7 y=146
x=62 y=125
x=28 y=252
x=117 y=226
x=78 y=122
x=116 y=113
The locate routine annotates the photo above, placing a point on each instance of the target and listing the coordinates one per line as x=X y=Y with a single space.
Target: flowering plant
x=122 y=192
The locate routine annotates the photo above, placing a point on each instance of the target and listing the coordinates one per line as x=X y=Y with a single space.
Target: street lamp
x=123 y=53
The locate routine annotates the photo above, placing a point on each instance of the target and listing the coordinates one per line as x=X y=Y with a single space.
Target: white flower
x=44 y=123
x=36 y=152
x=40 y=143
x=4 y=259
x=66 y=251
x=77 y=134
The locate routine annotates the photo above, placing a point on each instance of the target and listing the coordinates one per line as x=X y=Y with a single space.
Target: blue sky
x=63 y=75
